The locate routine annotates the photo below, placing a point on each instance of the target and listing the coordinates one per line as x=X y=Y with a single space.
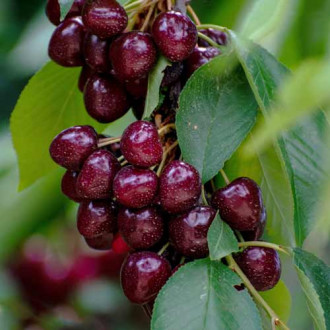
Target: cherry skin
x=217 y=36
x=102 y=242
x=180 y=187
x=140 y=144
x=119 y=246
x=257 y=232
x=142 y=276
x=240 y=204
x=175 y=35
x=72 y=146
x=96 y=176
x=68 y=186
x=53 y=11
x=133 y=54
x=85 y=73
x=134 y=187
x=140 y=228
x=76 y=9
x=66 y=44
x=105 y=99
x=138 y=87
x=105 y=18
x=261 y=265
x=188 y=232
x=198 y=57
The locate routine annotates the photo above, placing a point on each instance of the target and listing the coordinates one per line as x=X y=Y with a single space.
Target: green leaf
x=301 y=148
x=221 y=239
x=217 y=111
x=49 y=103
x=314 y=276
x=201 y=296
x=65 y=6
x=154 y=81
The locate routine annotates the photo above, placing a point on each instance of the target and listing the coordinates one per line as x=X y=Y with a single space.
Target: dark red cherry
x=96 y=176
x=133 y=54
x=66 y=44
x=138 y=87
x=72 y=146
x=172 y=74
x=102 y=242
x=53 y=11
x=105 y=99
x=119 y=246
x=257 y=232
x=96 y=53
x=261 y=265
x=240 y=204
x=188 y=232
x=76 y=9
x=140 y=228
x=68 y=186
x=180 y=187
x=198 y=57
x=140 y=144
x=96 y=218
x=142 y=276
x=105 y=18
x=175 y=35
x=135 y=187
x=217 y=36
x=85 y=73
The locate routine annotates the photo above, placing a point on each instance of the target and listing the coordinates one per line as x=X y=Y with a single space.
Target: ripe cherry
x=138 y=87
x=140 y=144
x=240 y=204
x=102 y=242
x=188 y=232
x=85 y=73
x=175 y=35
x=140 y=228
x=53 y=11
x=119 y=246
x=96 y=176
x=68 y=186
x=105 y=99
x=133 y=54
x=261 y=265
x=76 y=9
x=142 y=276
x=180 y=187
x=135 y=187
x=72 y=146
x=257 y=232
x=217 y=36
x=105 y=18
x=66 y=44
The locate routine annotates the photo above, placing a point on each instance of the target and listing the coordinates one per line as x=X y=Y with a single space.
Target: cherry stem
x=162 y=250
x=166 y=128
x=182 y=260
x=203 y=196
x=224 y=175
x=121 y=158
x=146 y=310
x=147 y=19
x=264 y=244
x=212 y=26
x=193 y=15
x=107 y=141
x=161 y=165
x=233 y=265
x=133 y=4
x=169 y=5
x=239 y=235
x=209 y=40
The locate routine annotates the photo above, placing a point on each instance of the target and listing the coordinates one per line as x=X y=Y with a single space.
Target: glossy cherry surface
x=96 y=176
x=85 y=73
x=72 y=146
x=262 y=266
x=175 y=35
x=76 y=9
x=257 y=232
x=138 y=87
x=188 y=232
x=142 y=276
x=140 y=144
x=217 y=36
x=53 y=11
x=119 y=246
x=134 y=187
x=240 y=204
x=102 y=242
x=180 y=187
x=133 y=54
x=68 y=186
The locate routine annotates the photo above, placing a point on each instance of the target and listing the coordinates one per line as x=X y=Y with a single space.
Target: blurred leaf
x=8 y=321
x=302 y=148
x=314 y=276
x=65 y=6
x=201 y=295
x=217 y=111
x=221 y=239
x=154 y=81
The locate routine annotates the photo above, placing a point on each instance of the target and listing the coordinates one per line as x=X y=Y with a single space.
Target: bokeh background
x=48 y=279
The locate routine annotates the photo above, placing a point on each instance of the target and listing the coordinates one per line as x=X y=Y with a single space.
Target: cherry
x=138 y=87
x=142 y=276
x=140 y=228
x=119 y=246
x=240 y=204
x=257 y=232
x=133 y=54
x=66 y=44
x=134 y=187
x=217 y=36
x=198 y=57
x=140 y=144
x=172 y=74
x=72 y=146
x=96 y=218
x=96 y=176
x=175 y=35
x=53 y=11
x=261 y=265
x=105 y=18
x=105 y=99
x=85 y=73
x=188 y=232
x=180 y=187
x=68 y=186
x=76 y=9
x=102 y=242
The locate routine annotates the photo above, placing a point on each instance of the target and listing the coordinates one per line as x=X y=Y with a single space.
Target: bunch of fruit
x=135 y=191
